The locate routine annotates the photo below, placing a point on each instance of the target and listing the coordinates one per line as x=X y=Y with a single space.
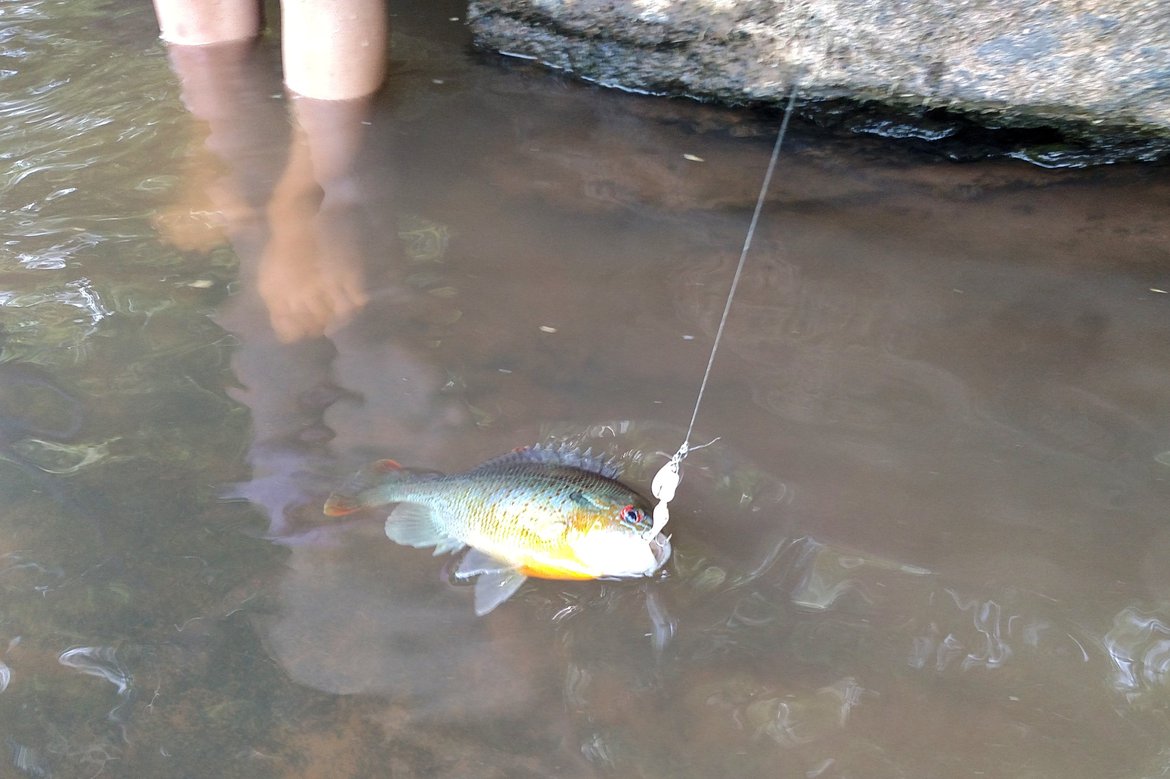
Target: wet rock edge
x=652 y=60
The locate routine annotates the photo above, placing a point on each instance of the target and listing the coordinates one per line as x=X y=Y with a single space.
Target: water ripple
x=1139 y=648
x=99 y=661
x=78 y=144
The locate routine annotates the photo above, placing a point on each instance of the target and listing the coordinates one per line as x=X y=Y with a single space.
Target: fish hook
x=665 y=483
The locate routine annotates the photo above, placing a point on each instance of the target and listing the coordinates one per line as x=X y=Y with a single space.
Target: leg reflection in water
x=290 y=211
x=364 y=616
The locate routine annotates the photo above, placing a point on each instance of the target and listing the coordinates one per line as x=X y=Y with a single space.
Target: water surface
x=930 y=540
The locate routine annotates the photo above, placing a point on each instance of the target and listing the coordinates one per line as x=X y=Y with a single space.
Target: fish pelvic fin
x=477 y=563
x=371 y=486
x=495 y=587
x=495 y=580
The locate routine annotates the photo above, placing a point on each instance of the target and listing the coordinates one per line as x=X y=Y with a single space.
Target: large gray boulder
x=1092 y=63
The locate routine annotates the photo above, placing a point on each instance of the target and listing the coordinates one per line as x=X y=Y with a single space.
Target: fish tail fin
x=341 y=505
x=371 y=486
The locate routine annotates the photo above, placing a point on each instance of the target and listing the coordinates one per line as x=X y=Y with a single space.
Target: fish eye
x=632 y=515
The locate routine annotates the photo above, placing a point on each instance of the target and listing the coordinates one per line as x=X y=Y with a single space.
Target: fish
x=547 y=512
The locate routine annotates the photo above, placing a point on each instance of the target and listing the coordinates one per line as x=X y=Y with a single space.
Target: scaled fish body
x=539 y=511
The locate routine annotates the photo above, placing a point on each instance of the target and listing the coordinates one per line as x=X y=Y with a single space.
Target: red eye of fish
x=632 y=515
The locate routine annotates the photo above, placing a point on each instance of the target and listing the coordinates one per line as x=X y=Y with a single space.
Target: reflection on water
x=930 y=540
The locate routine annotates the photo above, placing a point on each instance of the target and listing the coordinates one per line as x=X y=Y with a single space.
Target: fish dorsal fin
x=564 y=454
x=412 y=524
x=492 y=589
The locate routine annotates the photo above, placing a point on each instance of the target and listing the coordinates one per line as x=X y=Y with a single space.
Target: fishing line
x=666 y=480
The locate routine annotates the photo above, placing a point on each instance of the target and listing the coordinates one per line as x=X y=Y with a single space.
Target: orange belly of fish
x=550 y=572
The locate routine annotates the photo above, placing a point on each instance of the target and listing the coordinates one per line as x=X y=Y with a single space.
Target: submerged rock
x=1081 y=70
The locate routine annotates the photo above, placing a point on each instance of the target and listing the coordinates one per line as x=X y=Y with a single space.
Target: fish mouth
x=660 y=548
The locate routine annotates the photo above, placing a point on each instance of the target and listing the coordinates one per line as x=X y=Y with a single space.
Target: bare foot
x=209 y=207
x=310 y=274
x=223 y=91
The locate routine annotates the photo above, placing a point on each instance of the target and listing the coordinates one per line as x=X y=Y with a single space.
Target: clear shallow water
x=930 y=541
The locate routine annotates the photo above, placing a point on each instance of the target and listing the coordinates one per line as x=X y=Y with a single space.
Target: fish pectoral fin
x=413 y=524
x=477 y=563
x=495 y=587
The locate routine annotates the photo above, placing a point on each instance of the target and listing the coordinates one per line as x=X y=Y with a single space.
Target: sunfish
x=552 y=513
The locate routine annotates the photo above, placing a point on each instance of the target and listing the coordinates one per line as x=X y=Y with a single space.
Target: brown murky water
x=931 y=539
